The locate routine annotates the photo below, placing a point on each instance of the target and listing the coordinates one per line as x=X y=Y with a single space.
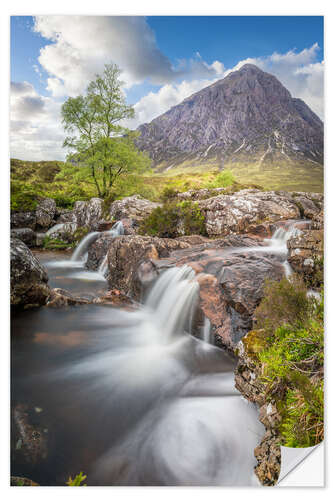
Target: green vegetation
x=78 y=479
x=71 y=183
x=174 y=219
x=290 y=350
x=56 y=244
x=283 y=175
x=102 y=149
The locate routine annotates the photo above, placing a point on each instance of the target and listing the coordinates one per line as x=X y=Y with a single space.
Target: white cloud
x=81 y=45
x=35 y=127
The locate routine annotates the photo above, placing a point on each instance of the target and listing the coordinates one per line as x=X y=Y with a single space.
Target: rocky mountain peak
x=246 y=116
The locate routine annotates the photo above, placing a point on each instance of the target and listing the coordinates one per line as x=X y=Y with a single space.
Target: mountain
x=246 y=119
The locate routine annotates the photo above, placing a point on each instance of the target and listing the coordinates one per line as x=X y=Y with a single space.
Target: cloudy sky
x=163 y=60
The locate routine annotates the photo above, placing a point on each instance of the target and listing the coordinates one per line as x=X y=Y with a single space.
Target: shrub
x=174 y=219
x=169 y=193
x=223 y=179
x=284 y=302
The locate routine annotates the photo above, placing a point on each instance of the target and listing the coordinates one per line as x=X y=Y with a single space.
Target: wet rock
x=30 y=442
x=115 y=298
x=45 y=213
x=98 y=250
x=62 y=298
x=20 y=220
x=22 y=481
x=28 y=278
x=232 y=292
x=27 y=235
x=127 y=253
x=305 y=255
x=226 y=214
x=134 y=207
x=104 y=225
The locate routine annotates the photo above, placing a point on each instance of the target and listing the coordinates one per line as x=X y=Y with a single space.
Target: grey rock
x=27 y=235
x=20 y=220
x=134 y=207
x=45 y=213
x=28 y=278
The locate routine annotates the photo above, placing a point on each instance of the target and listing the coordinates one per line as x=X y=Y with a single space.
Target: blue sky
x=164 y=59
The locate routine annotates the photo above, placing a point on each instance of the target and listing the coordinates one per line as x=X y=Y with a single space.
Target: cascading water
x=116 y=230
x=176 y=418
x=82 y=248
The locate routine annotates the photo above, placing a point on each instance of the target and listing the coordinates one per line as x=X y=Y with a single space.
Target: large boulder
x=27 y=235
x=234 y=213
x=64 y=232
x=127 y=256
x=134 y=207
x=98 y=250
x=84 y=213
x=231 y=280
x=28 y=278
x=45 y=213
x=20 y=220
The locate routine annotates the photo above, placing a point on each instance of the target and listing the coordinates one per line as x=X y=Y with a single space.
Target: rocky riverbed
x=230 y=268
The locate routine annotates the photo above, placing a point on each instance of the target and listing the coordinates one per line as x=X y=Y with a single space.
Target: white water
x=116 y=230
x=82 y=248
x=194 y=428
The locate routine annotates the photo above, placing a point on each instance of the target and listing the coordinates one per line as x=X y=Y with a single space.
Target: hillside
x=247 y=122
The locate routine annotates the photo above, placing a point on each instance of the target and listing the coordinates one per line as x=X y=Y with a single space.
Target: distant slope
x=248 y=122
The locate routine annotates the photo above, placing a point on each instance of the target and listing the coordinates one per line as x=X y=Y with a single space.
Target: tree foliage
x=101 y=147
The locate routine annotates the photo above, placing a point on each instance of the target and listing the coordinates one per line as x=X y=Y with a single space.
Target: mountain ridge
x=248 y=117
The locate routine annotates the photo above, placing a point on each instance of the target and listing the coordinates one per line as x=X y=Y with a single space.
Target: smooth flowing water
x=131 y=398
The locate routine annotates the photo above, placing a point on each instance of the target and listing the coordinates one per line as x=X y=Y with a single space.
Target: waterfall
x=281 y=236
x=116 y=230
x=171 y=300
x=279 y=243
x=205 y=331
x=82 y=248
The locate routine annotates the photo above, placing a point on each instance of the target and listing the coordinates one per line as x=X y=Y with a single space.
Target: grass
x=286 y=176
x=289 y=347
x=33 y=181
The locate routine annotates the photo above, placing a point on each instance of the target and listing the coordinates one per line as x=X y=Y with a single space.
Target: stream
x=130 y=397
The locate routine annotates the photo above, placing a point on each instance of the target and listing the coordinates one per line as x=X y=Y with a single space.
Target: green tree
x=100 y=146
